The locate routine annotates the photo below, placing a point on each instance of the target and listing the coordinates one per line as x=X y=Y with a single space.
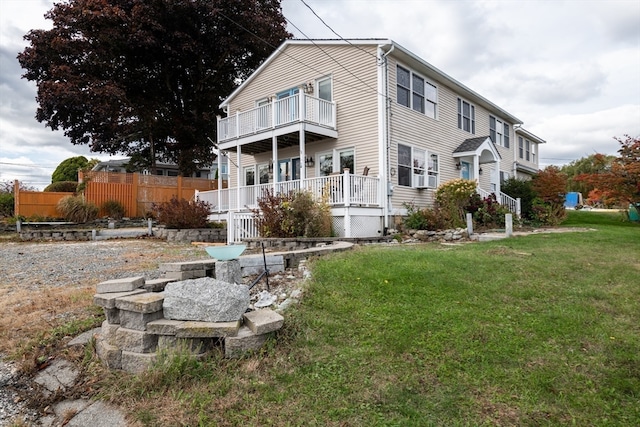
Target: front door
x=286 y=106
x=464 y=170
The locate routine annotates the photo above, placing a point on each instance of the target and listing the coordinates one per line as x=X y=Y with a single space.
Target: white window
x=250 y=175
x=466 y=116
x=415 y=92
x=346 y=160
x=417 y=167
x=533 y=152
x=520 y=147
x=499 y=132
x=527 y=146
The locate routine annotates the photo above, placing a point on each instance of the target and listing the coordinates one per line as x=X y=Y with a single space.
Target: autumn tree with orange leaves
x=620 y=184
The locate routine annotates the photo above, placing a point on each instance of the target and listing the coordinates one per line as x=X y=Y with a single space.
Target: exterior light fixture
x=309 y=162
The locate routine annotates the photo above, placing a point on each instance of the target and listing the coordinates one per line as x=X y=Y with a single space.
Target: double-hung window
x=499 y=132
x=527 y=145
x=466 y=116
x=520 y=147
x=415 y=92
x=533 y=152
x=417 y=167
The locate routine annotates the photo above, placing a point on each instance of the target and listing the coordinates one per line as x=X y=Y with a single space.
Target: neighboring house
x=162 y=169
x=399 y=127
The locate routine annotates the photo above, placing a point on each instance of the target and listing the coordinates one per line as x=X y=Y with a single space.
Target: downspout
x=384 y=125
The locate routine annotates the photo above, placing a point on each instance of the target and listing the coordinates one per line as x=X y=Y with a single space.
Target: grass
x=535 y=330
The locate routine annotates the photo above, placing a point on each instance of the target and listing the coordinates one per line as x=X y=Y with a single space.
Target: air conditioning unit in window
x=419 y=181
x=432 y=181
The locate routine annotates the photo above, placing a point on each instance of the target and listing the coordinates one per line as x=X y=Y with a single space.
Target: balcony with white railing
x=336 y=190
x=279 y=113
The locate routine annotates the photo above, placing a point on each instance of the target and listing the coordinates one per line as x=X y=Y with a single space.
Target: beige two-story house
x=367 y=125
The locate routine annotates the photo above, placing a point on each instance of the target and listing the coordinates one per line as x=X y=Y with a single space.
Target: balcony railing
x=336 y=190
x=279 y=112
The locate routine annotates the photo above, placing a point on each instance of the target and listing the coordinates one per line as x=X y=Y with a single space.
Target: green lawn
x=535 y=330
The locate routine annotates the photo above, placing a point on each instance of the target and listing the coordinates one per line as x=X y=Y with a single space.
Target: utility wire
x=333 y=31
x=277 y=48
x=333 y=59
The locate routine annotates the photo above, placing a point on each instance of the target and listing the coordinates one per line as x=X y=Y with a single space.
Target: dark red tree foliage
x=145 y=77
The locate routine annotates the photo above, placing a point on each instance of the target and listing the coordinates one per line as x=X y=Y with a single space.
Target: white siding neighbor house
x=369 y=126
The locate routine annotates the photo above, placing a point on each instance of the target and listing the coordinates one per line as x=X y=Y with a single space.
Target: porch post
x=274 y=162
x=518 y=207
x=230 y=226
x=303 y=155
x=219 y=181
x=239 y=178
x=346 y=187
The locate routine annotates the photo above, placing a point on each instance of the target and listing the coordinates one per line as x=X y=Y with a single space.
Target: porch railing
x=504 y=199
x=279 y=112
x=336 y=190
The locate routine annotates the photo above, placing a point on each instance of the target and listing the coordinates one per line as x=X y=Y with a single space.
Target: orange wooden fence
x=136 y=192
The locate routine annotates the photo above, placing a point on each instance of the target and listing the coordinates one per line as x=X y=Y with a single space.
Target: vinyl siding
x=355 y=97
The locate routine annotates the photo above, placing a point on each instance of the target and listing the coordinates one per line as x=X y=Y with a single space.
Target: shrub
x=75 y=209
x=181 y=213
x=490 y=213
x=452 y=199
x=295 y=214
x=524 y=190
x=114 y=209
x=423 y=219
x=62 y=187
x=550 y=188
x=6 y=204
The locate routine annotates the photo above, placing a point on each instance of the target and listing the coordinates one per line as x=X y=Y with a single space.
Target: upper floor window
x=520 y=147
x=533 y=152
x=416 y=93
x=466 y=116
x=527 y=152
x=499 y=132
x=417 y=167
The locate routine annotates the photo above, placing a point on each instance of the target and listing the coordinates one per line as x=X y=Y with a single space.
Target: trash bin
x=633 y=212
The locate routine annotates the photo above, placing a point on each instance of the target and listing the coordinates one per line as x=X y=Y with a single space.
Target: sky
x=570 y=69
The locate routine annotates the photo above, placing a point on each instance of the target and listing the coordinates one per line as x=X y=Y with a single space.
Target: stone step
x=126 y=284
x=263 y=321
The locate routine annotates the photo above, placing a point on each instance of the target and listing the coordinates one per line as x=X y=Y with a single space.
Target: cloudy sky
x=570 y=69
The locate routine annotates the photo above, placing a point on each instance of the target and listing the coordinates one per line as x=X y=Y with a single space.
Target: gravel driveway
x=42 y=266
x=37 y=265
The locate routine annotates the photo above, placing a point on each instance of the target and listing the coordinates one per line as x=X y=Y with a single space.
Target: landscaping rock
x=205 y=299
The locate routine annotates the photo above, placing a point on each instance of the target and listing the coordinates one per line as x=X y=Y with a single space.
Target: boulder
x=205 y=300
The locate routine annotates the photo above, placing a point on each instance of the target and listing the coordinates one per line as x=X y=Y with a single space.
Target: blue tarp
x=572 y=200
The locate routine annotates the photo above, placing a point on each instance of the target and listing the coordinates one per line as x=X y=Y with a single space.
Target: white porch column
x=498 y=191
x=239 y=180
x=219 y=181
x=303 y=155
x=274 y=161
x=476 y=169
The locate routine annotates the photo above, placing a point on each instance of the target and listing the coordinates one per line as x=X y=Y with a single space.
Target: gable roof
x=476 y=146
x=390 y=48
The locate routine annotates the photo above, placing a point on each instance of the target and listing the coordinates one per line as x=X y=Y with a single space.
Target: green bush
x=295 y=214
x=489 y=212
x=181 y=213
x=523 y=189
x=423 y=219
x=75 y=209
x=452 y=199
x=62 y=187
x=6 y=205
x=114 y=209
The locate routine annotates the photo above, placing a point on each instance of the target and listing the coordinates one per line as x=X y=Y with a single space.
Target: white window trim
x=426 y=81
x=430 y=177
x=335 y=154
x=320 y=80
x=472 y=115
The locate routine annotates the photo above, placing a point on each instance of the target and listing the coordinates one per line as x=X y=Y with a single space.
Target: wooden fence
x=136 y=192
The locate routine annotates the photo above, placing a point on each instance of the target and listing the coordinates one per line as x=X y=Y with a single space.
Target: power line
x=281 y=51
x=333 y=31
x=333 y=59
